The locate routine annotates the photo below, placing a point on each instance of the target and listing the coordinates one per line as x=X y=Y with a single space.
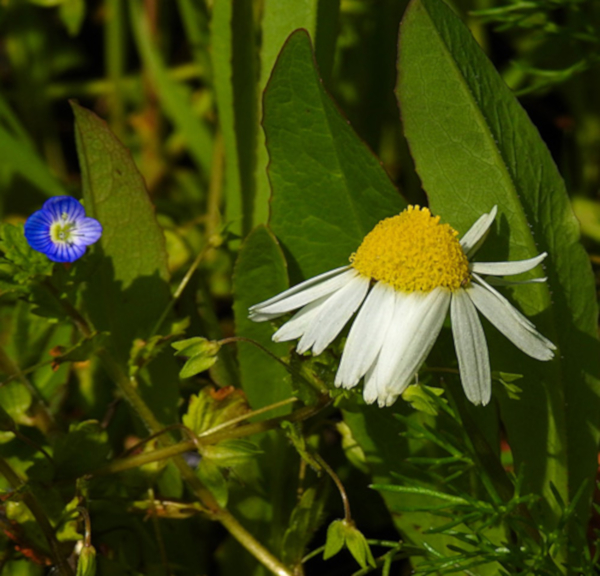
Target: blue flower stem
x=128 y=389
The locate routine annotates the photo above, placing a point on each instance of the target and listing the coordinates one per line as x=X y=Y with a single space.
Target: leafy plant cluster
x=147 y=425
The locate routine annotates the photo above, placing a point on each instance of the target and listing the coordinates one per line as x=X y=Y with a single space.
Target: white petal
x=333 y=315
x=502 y=282
x=414 y=327
x=475 y=236
x=370 y=389
x=403 y=312
x=297 y=325
x=471 y=349
x=523 y=336
x=303 y=293
x=426 y=323
x=366 y=335
x=507 y=268
x=509 y=308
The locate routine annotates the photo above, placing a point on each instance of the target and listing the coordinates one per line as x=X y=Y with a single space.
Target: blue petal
x=87 y=232
x=37 y=230
x=60 y=205
x=66 y=253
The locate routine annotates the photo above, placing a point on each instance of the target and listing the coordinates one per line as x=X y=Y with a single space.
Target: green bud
x=87 y=562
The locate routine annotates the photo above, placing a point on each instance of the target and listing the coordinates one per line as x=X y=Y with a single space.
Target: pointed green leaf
x=329 y=190
x=128 y=291
x=475 y=147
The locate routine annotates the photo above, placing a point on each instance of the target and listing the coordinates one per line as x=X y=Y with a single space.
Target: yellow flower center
x=61 y=232
x=413 y=252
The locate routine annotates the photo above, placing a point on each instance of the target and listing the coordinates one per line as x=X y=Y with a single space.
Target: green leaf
x=213 y=407
x=279 y=20
x=420 y=400
x=68 y=523
x=19 y=155
x=260 y=272
x=231 y=453
x=234 y=67
x=27 y=263
x=212 y=477
x=305 y=519
x=475 y=147
x=201 y=354
x=329 y=190
x=145 y=351
x=357 y=544
x=15 y=399
x=336 y=537
x=72 y=14
x=128 y=291
x=82 y=450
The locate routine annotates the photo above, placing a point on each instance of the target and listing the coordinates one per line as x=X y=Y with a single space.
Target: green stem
x=340 y=487
x=38 y=513
x=213 y=438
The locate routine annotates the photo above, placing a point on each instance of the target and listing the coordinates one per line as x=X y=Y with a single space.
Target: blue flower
x=61 y=230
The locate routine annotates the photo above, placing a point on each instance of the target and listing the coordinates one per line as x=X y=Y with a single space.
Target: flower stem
x=340 y=486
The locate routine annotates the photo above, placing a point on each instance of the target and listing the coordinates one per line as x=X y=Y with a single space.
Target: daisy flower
x=408 y=271
x=61 y=230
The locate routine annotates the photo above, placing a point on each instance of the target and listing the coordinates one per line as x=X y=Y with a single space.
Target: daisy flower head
x=408 y=271
x=61 y=230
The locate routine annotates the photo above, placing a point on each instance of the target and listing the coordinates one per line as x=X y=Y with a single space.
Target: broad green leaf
x=234 y=68
x=279 y=20
x=474 y=147
x=329 y=190
x=260 y=272
x=128 y=291
x=176 y=98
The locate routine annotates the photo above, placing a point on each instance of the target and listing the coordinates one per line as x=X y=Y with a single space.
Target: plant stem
x=340 y=487
x=38 y=513
x=213 y=438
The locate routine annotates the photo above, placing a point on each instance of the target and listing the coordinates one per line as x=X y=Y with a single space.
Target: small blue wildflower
x=61 y=230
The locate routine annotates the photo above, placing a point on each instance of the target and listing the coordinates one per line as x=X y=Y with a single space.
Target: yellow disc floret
x=413 y=252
